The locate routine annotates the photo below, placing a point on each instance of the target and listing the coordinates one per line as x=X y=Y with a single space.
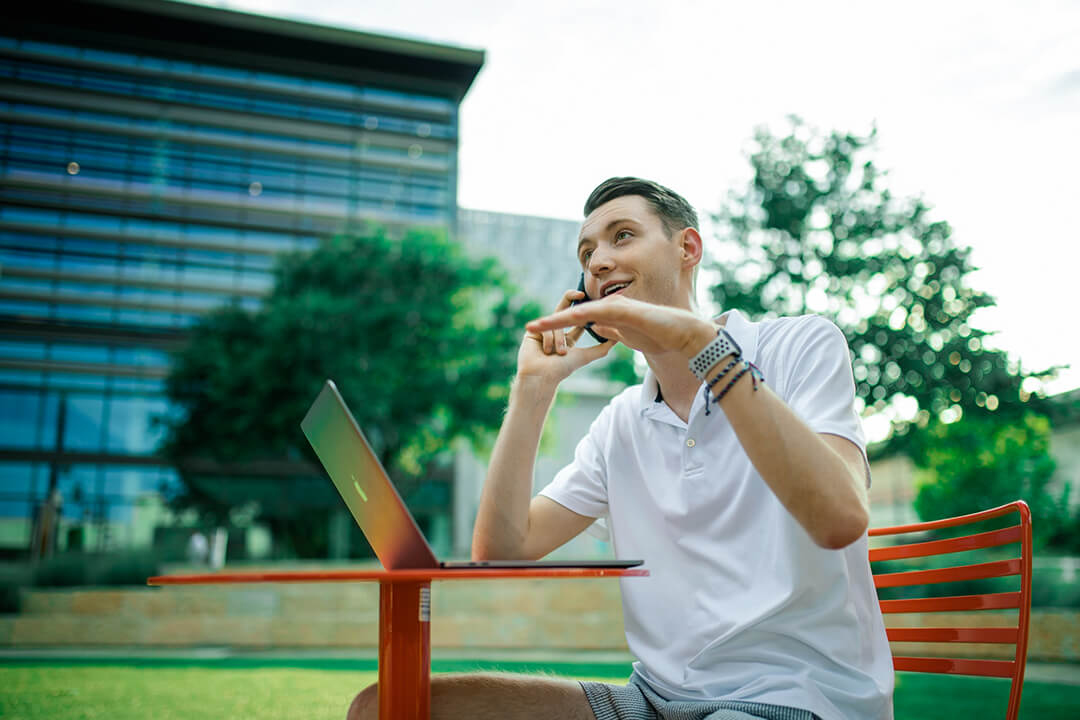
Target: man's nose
x=601 y=261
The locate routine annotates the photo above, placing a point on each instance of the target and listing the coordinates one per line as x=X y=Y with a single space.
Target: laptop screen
x=363 y=484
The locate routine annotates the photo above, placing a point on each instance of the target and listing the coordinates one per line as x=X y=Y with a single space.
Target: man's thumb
x=598 y=351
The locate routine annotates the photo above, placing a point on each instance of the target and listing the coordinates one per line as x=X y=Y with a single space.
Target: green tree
x=420 y=340
x=818 y=231
x=981 y=462
x=619 y=366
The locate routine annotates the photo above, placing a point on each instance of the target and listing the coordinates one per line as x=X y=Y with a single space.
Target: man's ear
x=692 y=247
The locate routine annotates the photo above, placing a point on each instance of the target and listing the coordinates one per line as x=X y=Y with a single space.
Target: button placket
x=693 y=457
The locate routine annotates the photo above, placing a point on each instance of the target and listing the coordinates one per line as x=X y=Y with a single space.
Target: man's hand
x=639 y=325
x=551 y=354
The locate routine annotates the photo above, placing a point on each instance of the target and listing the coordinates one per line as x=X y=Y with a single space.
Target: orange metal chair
x=1018 y=599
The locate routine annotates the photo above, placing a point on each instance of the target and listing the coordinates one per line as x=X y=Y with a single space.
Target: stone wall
x=466 y=615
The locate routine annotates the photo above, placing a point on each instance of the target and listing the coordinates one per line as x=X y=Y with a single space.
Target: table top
x=419 y=575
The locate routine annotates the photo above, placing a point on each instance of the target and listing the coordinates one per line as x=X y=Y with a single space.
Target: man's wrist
x=533 y=387
x=704 y=332
x=720 y=348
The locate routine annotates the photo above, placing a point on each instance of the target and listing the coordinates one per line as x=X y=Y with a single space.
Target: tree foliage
x=818 y=231
x=981 y=462
x=420 y=340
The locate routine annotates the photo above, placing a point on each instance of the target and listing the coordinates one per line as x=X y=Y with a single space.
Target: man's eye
x=619 y=235
x=585 y=257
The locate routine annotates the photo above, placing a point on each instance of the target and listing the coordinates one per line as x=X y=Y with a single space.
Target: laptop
x=374 y=501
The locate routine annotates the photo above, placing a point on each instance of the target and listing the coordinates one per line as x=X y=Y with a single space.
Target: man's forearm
x=816 y=485
x=502 y=520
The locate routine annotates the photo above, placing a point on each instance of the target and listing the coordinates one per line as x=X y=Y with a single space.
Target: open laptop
x=374 y=501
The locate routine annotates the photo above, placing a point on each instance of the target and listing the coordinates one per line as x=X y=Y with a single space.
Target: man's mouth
x=614 y=288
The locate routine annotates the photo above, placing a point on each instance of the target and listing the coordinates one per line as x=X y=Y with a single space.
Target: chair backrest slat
x=1015 y=630
x=956 y=666
x=982 y=571
x=953 y=521
x=954 y=634
x=956 y=603
x=992 y=538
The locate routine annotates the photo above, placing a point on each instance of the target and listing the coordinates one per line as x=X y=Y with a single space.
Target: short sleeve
x=581 y=486
x=818 y=383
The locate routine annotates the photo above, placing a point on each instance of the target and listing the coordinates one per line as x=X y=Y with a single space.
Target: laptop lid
x=363 y=483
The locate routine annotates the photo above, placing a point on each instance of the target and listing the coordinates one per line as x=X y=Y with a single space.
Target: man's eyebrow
x=607 y=229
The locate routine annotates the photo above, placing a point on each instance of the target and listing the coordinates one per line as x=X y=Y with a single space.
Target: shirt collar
x=744 y=332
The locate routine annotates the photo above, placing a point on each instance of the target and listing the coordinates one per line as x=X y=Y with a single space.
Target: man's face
x=624 y=248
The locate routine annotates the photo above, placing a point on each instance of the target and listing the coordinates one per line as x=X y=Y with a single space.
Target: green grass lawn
x=59 y=692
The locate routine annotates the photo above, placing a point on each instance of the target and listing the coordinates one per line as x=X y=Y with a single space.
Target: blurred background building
x=154 y=156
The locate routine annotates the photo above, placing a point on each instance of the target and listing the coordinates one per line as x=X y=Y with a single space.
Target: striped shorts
x=637 y=701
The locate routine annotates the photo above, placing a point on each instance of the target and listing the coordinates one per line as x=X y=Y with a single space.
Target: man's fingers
x=554 y=338
x=562 y=319
x=571 y=336
x=568 y=297
x=554 y=342
x=560 y=341
x=613 y=310
x=597 y=351
x=608 y=332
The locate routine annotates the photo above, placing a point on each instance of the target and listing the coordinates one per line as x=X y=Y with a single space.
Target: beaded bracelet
x=707 y=390
x=709 y=386
x=734 y=361
x=748 y=367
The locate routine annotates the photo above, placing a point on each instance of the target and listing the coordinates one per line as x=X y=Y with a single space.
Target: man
x=737 y=471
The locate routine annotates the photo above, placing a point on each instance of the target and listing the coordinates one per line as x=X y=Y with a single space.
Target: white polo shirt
x=740 y=603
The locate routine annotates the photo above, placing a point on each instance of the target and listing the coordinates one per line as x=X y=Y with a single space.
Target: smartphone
x=588 y=326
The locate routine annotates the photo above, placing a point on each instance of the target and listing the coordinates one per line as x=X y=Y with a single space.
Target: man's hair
x=672 y=209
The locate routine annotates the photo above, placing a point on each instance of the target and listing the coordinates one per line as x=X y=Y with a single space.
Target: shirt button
x=690 y=443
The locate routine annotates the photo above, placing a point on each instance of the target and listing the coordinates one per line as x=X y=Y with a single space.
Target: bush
x=1066 y=535
x=78 y=569
x=1049 y=592
x=981 y=462
x=65 y=570
x=127 y=569
x=12 y=580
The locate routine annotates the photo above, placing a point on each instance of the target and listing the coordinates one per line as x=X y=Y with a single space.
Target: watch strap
x=720 y=347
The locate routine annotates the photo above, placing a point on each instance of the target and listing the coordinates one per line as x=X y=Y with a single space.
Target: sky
x=977 y=106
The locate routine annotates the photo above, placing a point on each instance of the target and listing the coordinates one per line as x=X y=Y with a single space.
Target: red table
x=404 y=619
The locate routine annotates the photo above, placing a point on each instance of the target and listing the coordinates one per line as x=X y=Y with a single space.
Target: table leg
x=404 y=650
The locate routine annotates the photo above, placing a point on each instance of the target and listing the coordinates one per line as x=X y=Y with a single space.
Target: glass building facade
x=148 y=177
